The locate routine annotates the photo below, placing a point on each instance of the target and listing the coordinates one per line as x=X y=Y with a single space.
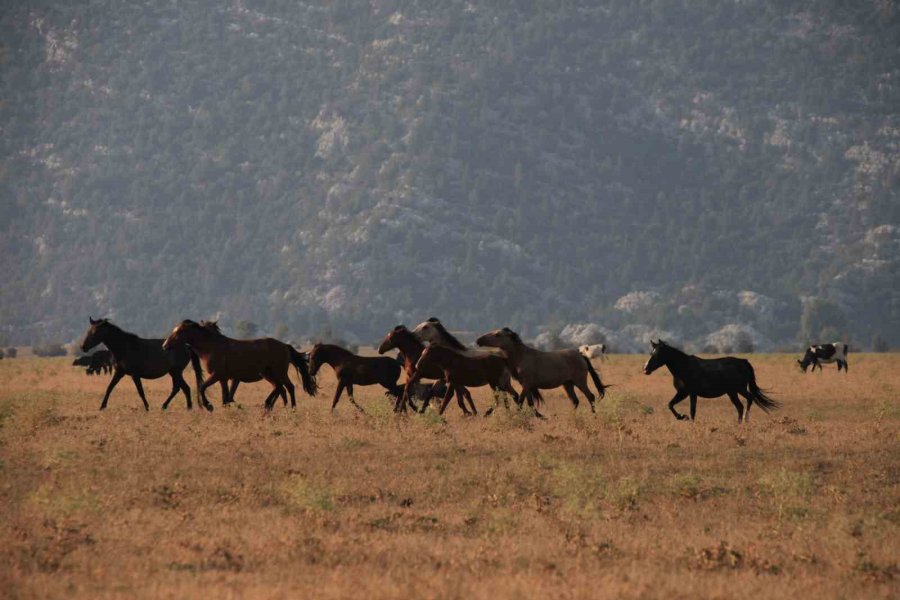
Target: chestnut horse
x=142 y=358
x=244 y=360
x=411 y=348
x=460 y=371
x=539 y=370
x=352 y=369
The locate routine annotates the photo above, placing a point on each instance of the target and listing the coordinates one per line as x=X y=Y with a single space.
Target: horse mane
x=118 y=329
x=211 y=326
x=514 y=336
x=449 y=338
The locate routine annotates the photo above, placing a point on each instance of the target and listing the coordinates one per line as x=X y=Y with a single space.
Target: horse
x=825 y=353
x=411 y=348
x=539 y=370
x=462 y=370
x=352 y=369
x=142 y=358
x=226 y=359
x=228 y=394
x=708 y=378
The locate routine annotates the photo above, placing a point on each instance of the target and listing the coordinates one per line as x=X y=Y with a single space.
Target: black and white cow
x=825 y=353
x=590 y=351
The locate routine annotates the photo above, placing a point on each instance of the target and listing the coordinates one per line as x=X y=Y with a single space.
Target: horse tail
x=301 y=363
x=600 y=387
x=846 y=350
x=764 y=401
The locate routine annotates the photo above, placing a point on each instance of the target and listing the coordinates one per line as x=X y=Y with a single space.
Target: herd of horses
x=427 y=353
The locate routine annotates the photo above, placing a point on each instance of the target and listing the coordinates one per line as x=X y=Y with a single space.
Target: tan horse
x=244 y=360
x=539 y=370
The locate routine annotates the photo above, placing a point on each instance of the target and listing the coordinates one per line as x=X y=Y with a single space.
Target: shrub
x=879 y=344
x=49 y=349
x=11 y=352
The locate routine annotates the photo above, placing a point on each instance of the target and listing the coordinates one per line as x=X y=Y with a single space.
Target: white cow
x=590 y=351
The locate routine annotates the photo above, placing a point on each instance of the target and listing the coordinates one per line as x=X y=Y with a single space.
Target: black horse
x=142 y=358
x=708 y=378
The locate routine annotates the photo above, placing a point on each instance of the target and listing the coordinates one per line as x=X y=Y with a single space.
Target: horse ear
x=653 y=344
x=398 y=327
x=93 y=322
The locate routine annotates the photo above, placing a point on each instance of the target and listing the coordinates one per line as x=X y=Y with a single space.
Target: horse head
x=315 y=358
x=657 y=356
x=95 y=333
x=506 y=339
x=183 y=333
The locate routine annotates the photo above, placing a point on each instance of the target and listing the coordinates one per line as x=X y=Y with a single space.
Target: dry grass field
x=628 y=503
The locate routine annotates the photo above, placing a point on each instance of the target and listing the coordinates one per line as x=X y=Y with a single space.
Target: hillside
x=696 y=169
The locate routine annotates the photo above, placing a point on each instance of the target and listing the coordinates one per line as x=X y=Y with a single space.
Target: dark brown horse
x=411 y=348
x=538 y=370
x=708 y=378
x=351 y=369
x=226 y=359
x=142 y=358
x=460 y=371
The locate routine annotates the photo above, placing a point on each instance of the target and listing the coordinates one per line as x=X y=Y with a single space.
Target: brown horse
x=411 y=348
x=142 y=358
x=539 y=370
x=352 y=369
x=460 y=371
x=228 y=394
x=244 y=360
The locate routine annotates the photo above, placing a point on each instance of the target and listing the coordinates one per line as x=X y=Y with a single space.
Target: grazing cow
x=590 y=351
x=84 y=361
x=825 y=353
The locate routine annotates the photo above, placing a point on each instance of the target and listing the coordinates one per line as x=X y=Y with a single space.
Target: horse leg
x=749 y=399
x=450 y=390
x=352 y=400
x=693 y=406
x=140 y=389
x=187 y=395
x=583 y=386
x=737 y=405
x=290 y=390
x=112 y=383
x=570 y=392
x=175 y=387
x=679 y=396
x=468 y=396
x=462 y=403
x=228 y=394
x=337 y=395
x=531 y=404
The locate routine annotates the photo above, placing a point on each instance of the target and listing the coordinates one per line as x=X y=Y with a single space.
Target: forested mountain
x=696 y=168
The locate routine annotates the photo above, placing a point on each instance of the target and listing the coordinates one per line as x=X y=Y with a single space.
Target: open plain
x=627 y=503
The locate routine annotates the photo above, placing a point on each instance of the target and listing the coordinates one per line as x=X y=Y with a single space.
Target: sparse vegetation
x=307 y=503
